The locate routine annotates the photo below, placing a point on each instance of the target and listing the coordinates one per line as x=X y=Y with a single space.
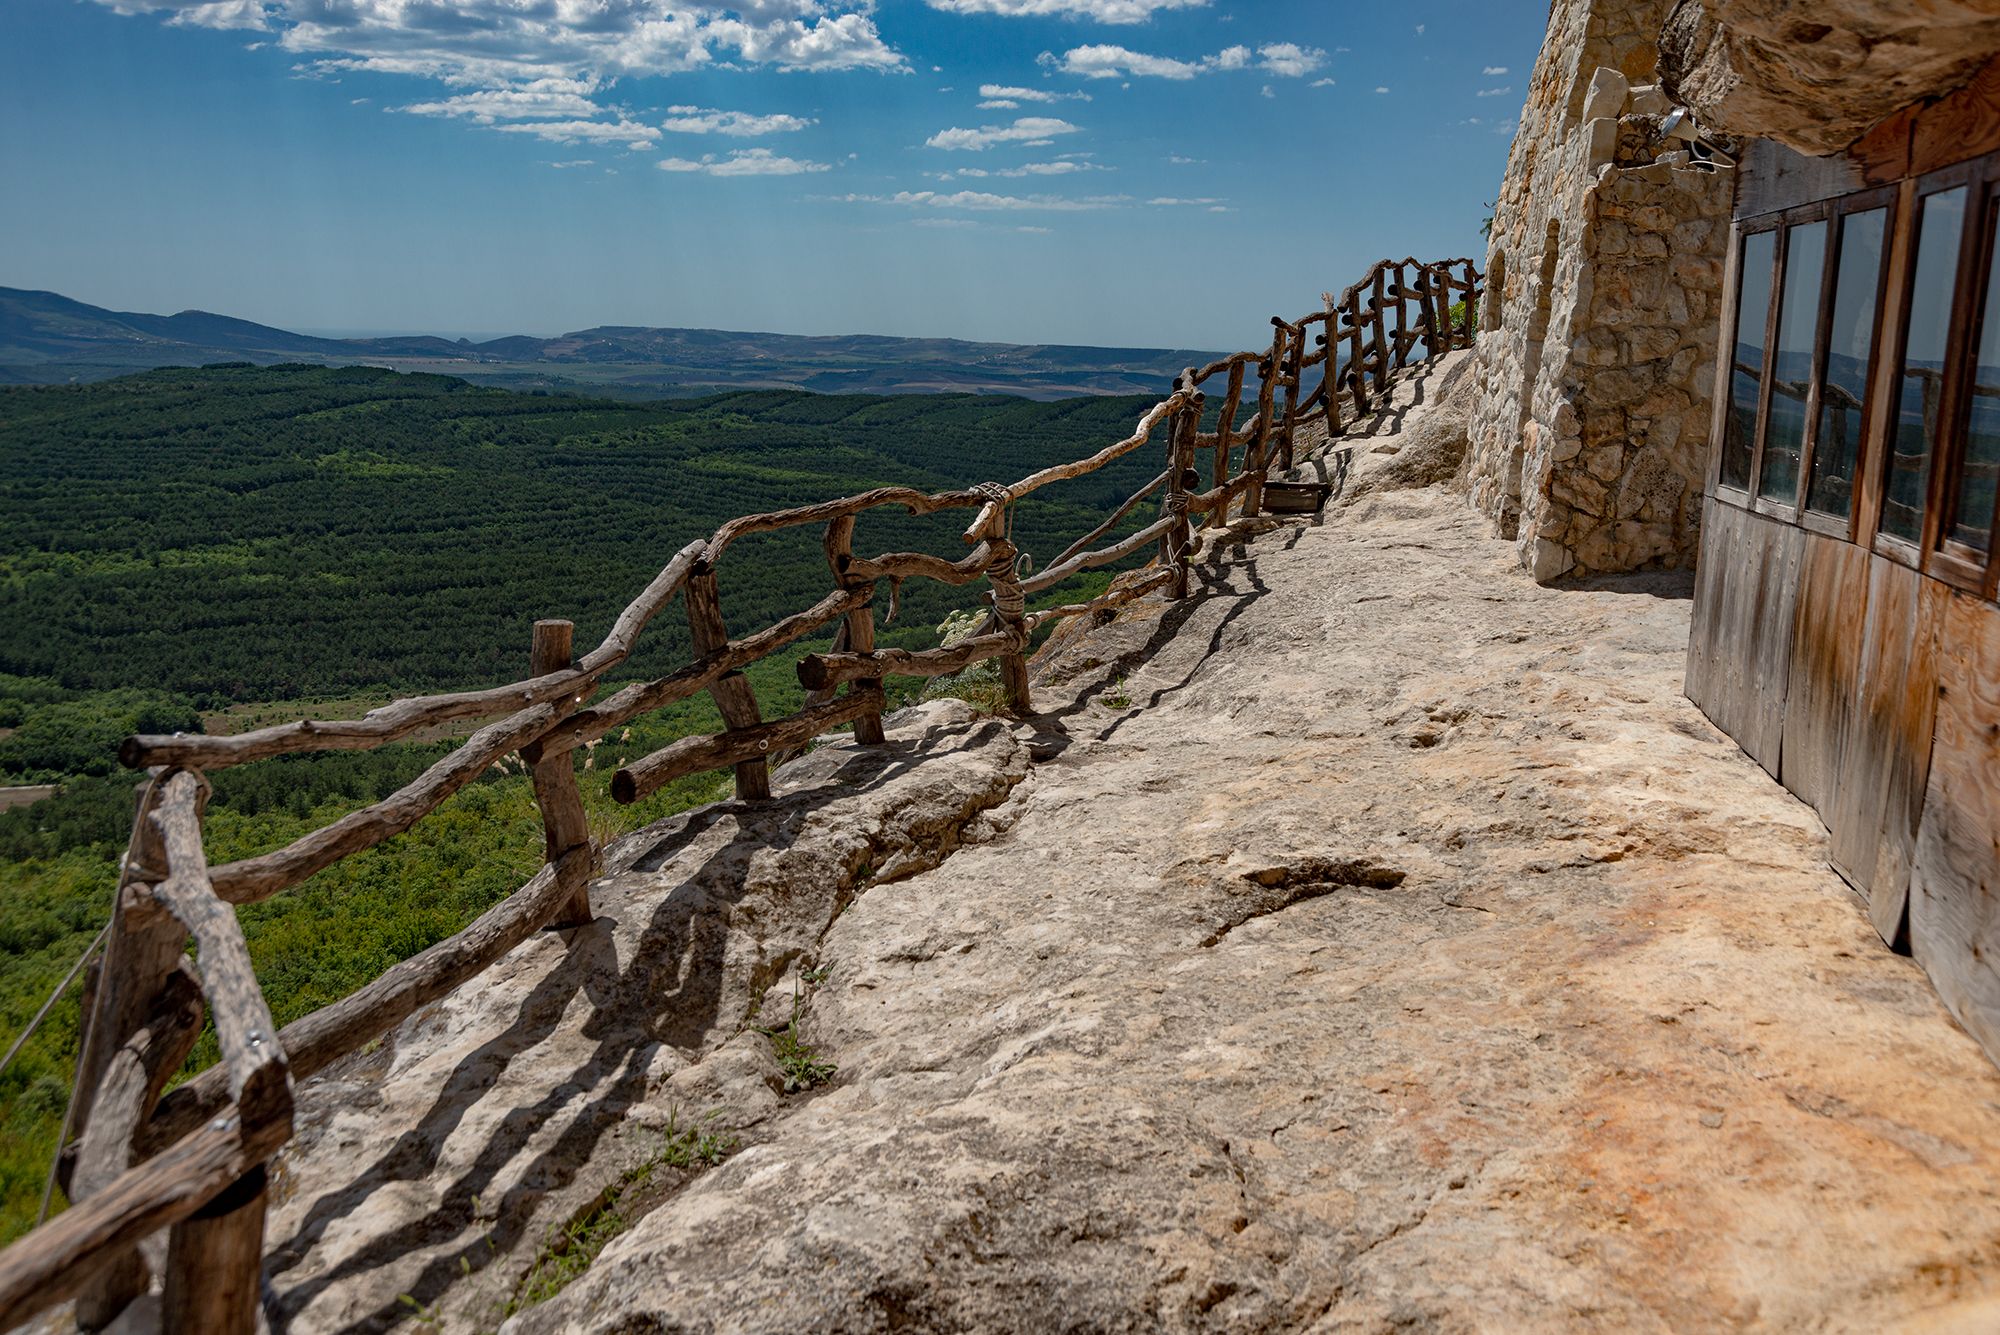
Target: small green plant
x=816 y=975
x=691 y=1147
x=1117 y=697
x=978 y=685
x=797 y=1058
x=424 y=1318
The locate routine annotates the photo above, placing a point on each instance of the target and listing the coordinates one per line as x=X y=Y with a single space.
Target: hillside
x=244 y=534
x=1376 y=941
x=50 y=339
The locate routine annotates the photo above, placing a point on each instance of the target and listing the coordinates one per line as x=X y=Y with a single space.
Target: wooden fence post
x=734 y=698
x=1396 y=357
x=564 y=824
x=134 y=1000
x=1295 y=358
x=1182 y=427
x=215 y=1263
x=1471 y=305
x=859 y=624
x=1381 y=339
x=1330 y=381
x=1440 y=302
x=1232 y=400
x=1357 y=374
x=1258 y=461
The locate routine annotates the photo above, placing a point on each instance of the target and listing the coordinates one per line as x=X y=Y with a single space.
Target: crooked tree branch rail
x=192 y=1162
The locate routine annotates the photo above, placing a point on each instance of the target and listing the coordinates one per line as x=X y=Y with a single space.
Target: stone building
x=1596 y=355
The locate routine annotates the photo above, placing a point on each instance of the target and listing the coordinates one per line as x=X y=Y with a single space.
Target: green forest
x=184 y=546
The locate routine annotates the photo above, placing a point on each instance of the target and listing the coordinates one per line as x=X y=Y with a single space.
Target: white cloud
x=976 y=201
x=1061 y=167
x=1492 y=70
x=483 y=44
x=745 y=162
x=1103 y=11
x=1268 y=92
x=574 y=162
x=629 y=133
x=1034 y=231
x=540 y=100
x=1000 y=104
x=226 y=14
x=1322 y=83
x=1289 y=60
x=1180 y=161
x=1107 y=61
x=1009 y=93
x=1026 y=130
x=1170 y=202
x=1380 y=88
x=741 y=124
x=1420 y=30
x=1495 y=92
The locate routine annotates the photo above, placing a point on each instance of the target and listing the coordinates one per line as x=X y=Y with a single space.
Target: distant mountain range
x=50 y=339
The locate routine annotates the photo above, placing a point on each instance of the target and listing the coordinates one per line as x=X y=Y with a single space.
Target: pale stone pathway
x=1387 y=945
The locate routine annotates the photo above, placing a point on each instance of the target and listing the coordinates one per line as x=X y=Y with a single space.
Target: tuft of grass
x=691 y=1149
x=1117 y=697
x=798 y=1058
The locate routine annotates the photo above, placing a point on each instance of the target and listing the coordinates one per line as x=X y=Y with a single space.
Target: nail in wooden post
x=564 y=824
x=859 y=624
x=215 y=1263
x=733 y=696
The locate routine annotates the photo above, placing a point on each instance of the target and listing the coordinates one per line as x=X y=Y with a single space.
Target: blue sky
x=1138 y=172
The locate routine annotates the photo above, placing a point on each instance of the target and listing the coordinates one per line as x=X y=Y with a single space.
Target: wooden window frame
x=1789 y=221
x=1839 y=210
x=1971 y=175
x=1742 y=497
x=1953 y=562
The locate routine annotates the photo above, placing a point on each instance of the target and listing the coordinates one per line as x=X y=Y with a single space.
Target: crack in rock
x=1272 y=889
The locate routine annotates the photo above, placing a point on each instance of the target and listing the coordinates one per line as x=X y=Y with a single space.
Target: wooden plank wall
x=1825 y=682
x=1739 y=655
x=1954 y=890
x=1885 y=753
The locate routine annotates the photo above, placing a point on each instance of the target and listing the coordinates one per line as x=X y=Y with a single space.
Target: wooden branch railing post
x=564 y=824
x=734 y=699
x=215 y=1263
x=1381 y=341
x=1330 y=382
x=1294 y=372
x=1182 y=476
x=1258 y=462
x=134 y=1000
x=859 y=623
x=1225 y=440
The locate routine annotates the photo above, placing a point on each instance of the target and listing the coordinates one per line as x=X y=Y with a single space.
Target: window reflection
x=1843 y=399
x=1972 y=511
x=1791 y=363
x=1914 y=430
x=1739 y=434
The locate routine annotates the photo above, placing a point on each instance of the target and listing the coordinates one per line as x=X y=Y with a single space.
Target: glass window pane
x=1914 y=430
x=1753 y=304
x=1791 y=365
x=1843 y=397
x=1972 y=509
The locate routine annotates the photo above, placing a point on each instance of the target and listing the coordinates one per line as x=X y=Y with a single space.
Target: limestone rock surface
x=1379 y=942
x=1818 y=76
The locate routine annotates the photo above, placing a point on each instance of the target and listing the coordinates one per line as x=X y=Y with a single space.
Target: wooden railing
x=135 y=1162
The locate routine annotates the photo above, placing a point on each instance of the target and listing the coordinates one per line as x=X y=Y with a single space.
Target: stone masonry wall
x=1596 y=354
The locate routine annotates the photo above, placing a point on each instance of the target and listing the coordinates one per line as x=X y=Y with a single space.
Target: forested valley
x=215 y=548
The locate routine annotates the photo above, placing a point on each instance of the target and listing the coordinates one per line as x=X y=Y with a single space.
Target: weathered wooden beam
x=839 y=544
x=315 y=1041
x=125 y=1098
x=135 y=993
x=733 y=696
x=251 y=879
x=259 y=1080
x=858 y=570
x=215 y=1263
x=1124 y=547
x=1232 y=401
x=67 y=1255
x=692 y=755
x=564 y=824
x=643 y=697
x=822 y=672
x=916 y=502
x=1138 y=588
x=1131 y=504
x=1058 y=472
